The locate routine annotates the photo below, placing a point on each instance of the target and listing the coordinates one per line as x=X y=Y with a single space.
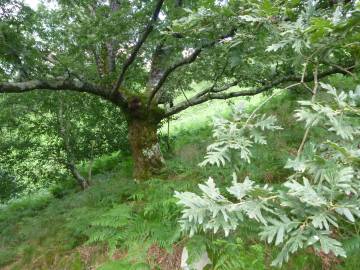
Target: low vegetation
x=120 y=224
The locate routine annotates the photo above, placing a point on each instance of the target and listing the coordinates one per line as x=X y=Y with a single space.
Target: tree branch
x=111 y=44
x=56 y=84
x=212 y=88
x=138 y=45
x=185 y=61
x=98 y=63
x=217 y=93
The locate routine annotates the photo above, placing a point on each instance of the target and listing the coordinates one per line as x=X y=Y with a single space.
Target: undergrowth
x=116 y=222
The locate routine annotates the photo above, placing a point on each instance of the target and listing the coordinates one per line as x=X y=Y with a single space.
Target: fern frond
x=352 y=245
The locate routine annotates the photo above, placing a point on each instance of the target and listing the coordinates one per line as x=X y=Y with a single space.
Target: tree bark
x=145 y=148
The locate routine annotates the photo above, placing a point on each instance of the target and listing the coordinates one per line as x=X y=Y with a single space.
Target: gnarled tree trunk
x=145 y=148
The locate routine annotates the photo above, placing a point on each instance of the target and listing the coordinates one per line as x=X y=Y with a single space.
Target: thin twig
x=314 y=91
x=259 y=107
x=266 y=100
x=185 y=95
x=303 y=78
x=218 y=75
x=341 y=68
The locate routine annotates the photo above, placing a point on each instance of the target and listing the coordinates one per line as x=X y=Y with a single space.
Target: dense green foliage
x=32 y=150
x=93 y=90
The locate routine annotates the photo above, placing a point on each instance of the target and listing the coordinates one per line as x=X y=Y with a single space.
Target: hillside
x=120 y=224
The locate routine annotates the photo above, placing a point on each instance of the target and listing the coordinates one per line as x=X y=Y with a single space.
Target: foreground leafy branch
x=312 y=207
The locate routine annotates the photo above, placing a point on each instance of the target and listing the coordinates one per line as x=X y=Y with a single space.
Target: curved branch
x=187 y=60
x=218 y=93
x=138 y=45
x=56 y=84
x=184 y=61
x=212 y=88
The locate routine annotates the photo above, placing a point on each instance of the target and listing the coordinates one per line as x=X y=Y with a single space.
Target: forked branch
x=185 y=61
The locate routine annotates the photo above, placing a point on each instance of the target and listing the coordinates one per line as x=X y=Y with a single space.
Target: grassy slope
x=45 y=232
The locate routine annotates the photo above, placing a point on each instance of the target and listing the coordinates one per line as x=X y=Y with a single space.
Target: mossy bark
x=145 y=148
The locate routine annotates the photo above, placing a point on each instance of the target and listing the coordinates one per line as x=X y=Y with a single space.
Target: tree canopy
x=140 y=55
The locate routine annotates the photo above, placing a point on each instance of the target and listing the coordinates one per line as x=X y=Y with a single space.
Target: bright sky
x=32 y=3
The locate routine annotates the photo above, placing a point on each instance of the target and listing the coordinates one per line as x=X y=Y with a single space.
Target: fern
x=234 y=254
x=352 y=245
x=110 y=227
x=196 y=247
x=152 y=219
x=165 y=234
